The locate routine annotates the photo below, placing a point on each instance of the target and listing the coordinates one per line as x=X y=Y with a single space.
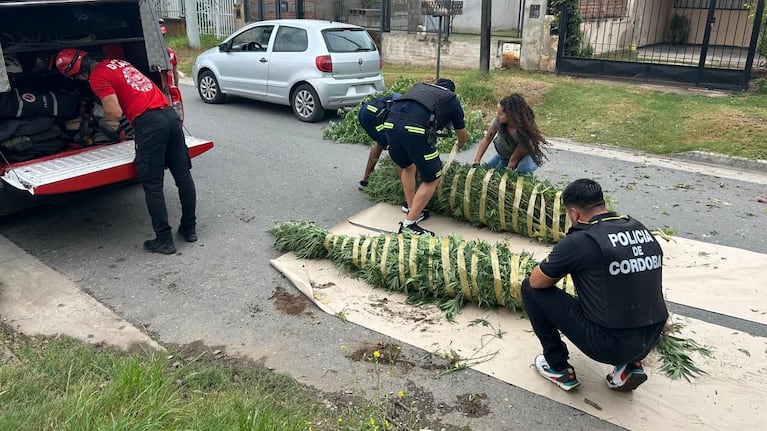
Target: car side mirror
x=224 y=47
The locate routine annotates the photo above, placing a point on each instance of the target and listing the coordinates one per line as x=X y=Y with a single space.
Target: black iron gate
x=705 y=43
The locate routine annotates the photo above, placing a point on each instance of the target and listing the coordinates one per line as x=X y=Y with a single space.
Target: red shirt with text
x=135 y=92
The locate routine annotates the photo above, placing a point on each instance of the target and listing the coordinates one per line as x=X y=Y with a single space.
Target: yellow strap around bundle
x=483 y=196
x=556 y=234
x=518 y=190
x=432 y=244
x=401 y=260
x=385 y=255
x=364 y=252
x=502 y=201
x=445 y=249
x=413 y=255
x=467 y=194
x=355 y=250
x=497 y=282
x=463 y=276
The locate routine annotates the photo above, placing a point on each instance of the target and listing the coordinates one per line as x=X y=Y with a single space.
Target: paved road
x=267 y=168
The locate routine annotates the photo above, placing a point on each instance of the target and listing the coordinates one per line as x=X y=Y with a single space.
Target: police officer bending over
x=411 y=129
x=371 y=116
x=618 y=316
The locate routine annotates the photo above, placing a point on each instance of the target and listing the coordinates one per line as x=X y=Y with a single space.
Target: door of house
x=705 y=43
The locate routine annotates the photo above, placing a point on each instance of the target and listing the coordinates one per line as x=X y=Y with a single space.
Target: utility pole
x=484 y=38
x=192 y=28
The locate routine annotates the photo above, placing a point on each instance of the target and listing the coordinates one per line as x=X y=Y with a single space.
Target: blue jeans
x=525 y=166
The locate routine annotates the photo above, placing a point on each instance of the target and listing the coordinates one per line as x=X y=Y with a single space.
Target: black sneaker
x=189 y=233
x=159 y=246
x=421 y=217
x=414 y=229
x=363 y=185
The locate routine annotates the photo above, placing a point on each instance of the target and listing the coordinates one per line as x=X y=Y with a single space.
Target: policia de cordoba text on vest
x=633 y=238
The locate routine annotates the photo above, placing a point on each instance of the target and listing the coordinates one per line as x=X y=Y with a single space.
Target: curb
x=759 y=165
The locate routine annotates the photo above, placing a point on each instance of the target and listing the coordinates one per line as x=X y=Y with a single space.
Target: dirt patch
x=381 y=353
x=409 y=409
x=532 y=90
x=288 y=303
x=473 y=405
x=392 y=354
x=421 y=318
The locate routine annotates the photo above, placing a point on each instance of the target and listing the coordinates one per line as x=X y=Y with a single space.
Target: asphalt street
x=267 y=168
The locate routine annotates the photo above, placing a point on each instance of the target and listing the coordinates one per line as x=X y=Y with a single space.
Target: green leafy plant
x=573 y=35
x=676 y=354
x=678 y=30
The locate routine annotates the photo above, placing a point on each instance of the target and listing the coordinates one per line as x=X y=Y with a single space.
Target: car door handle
x=263 y=60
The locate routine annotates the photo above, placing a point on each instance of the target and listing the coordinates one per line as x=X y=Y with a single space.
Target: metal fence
x=214 y=17
x=711 y=43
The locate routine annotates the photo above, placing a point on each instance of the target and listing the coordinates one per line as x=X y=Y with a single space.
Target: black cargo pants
x=160 y=143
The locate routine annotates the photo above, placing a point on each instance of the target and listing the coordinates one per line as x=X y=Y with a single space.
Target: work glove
x=125 y=129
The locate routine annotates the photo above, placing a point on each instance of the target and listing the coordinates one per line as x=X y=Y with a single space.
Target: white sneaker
x=565 y=379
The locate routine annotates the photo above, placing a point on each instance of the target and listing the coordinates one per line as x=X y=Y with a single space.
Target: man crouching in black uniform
x=617 y=318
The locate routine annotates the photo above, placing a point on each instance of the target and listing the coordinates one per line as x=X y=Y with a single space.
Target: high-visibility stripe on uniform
x=388 y=125
x=379 y=127
x=431 y=156
x=372 y=108
x=417 y=130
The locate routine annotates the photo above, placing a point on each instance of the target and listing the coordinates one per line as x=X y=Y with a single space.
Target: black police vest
x=629 y=280
x=432 y=97
x=381 y=107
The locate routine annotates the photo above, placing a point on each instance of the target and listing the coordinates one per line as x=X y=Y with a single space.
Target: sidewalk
x=38 y=300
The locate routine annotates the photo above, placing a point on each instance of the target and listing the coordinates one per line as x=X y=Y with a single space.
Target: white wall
x=505 y=16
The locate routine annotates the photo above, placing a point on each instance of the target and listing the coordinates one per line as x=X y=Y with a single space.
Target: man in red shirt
x=171 y=55
x=160 y=141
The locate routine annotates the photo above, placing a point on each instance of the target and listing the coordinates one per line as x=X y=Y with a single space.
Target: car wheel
x=208 y=89
x=306 y=104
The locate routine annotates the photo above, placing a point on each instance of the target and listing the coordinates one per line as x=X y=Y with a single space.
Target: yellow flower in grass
x=376 y=354
x=400 y=394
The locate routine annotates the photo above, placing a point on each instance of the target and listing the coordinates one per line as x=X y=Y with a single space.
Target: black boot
x=188 y=232
x=157 y=245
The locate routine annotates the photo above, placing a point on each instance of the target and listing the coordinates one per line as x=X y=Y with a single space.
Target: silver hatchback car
x=311 y=65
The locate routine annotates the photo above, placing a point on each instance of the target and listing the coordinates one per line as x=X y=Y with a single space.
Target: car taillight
x=380 y=62
x=178 y=104
x=324 y=63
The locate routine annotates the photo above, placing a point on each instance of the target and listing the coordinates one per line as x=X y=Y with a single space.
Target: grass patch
x=64 y=384
x=187 y=55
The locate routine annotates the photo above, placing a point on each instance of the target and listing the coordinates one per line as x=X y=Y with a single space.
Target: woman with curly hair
x=518 y=141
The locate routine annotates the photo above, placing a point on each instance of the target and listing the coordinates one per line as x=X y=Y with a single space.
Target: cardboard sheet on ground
x=711 y=277
x=730 y=396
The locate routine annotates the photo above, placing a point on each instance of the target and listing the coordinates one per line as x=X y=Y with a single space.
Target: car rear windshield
x=348 y=40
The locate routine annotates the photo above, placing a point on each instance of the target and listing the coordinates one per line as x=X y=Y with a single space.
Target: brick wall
x=593 y=9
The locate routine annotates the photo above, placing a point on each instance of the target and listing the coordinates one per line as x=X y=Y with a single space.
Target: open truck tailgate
x=84 y=169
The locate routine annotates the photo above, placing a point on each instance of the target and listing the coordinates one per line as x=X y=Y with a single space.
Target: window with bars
x=600 y=9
